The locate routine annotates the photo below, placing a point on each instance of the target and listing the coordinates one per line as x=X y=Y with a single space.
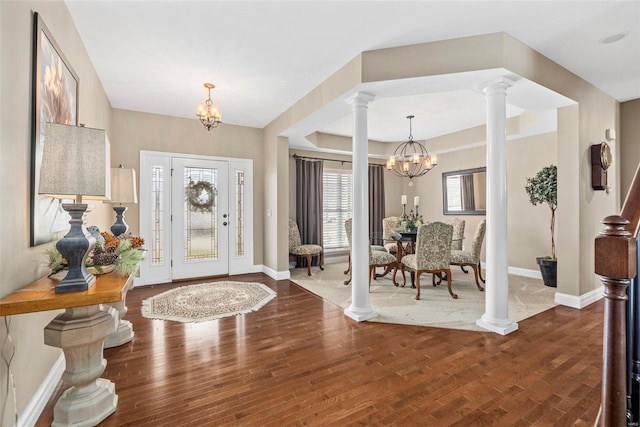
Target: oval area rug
x=207 y=301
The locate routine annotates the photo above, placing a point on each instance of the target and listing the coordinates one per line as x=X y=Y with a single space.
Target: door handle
x=224 y=215
x=224 y=223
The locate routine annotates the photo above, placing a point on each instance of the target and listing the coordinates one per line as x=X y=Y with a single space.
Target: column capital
x=499 y=85
x=360 y=99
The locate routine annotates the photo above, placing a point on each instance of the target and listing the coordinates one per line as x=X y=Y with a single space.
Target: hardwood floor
x=300 y=361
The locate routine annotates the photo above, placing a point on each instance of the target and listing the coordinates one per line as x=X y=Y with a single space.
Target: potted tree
x=543 y=188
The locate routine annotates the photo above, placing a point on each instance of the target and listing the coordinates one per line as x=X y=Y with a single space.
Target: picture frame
x=55 y=88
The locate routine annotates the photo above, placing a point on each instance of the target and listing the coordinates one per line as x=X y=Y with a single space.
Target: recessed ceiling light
x=613 y=38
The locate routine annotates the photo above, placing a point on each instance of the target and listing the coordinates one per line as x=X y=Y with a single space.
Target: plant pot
x=549 y=270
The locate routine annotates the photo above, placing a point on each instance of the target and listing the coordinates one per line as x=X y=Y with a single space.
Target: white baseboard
x=525 y=272
x=137 y=281
x=277 y=275
x=580 y=301
x=34 y=408
x=534 y=274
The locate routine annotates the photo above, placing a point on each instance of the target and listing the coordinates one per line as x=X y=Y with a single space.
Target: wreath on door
x=201 y=195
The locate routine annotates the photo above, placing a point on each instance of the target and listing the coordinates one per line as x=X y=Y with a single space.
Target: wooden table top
x=40 y=295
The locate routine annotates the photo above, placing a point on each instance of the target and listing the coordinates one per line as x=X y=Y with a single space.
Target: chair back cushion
x=433 y=246
x=348 y=226
x=458 y=233
x=294 y=234
x=478 y=237
x=390 y=225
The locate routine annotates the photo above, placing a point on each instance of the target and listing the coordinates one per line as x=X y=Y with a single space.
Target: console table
x=80 y=332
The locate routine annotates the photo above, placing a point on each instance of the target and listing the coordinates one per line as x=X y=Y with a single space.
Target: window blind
x=337 y=208
x=454 y=193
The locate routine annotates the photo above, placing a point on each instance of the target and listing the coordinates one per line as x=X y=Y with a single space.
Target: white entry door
x=200 y=210
x=196 y=215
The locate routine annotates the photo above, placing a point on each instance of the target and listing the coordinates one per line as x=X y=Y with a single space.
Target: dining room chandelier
x=411 y=159
x=208 y=111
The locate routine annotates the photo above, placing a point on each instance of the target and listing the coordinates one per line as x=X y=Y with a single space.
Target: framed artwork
x=54 y=99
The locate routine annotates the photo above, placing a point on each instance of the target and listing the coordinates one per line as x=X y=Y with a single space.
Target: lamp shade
x=76 y=161
x=123 y=186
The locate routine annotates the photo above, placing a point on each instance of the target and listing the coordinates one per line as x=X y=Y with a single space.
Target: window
x=454 y=193
x=337 y=208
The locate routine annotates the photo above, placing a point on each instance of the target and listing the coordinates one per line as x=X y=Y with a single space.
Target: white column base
x=123 y=334
x=88 y=410
x=360 y=315
x=502 y=327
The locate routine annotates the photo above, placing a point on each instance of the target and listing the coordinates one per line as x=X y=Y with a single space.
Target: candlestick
x=416 y=201
x=404 y=199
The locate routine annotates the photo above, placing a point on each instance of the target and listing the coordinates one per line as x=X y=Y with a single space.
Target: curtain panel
x=376 y=199
x=309 y=202
x=468 y=199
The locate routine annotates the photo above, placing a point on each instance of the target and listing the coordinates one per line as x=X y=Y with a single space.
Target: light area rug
x=207 y=301
x=436 y=308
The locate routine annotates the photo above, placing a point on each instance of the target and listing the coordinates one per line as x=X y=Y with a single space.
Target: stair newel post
x=633 y=348
x=615 y=263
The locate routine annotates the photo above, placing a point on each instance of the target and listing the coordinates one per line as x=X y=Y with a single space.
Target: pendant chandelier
x=411 y=159
x=208 y=112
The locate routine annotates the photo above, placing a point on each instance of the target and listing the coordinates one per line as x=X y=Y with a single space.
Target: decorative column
x=80 y=333
x=360 y=309
x=496 y=316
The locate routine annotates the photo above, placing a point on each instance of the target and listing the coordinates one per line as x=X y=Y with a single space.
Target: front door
x=200 y=211
x=196 y=216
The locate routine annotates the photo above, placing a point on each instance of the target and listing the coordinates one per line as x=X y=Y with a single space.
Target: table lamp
x=123 y=190
x=76 y=164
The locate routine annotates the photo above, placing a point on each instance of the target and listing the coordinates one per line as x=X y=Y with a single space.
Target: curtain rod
x=295 y=156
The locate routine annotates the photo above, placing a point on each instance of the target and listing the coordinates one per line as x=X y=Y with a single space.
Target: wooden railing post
x=615 y=263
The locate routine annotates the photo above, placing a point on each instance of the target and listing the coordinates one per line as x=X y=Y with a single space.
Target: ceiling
x=263 y=56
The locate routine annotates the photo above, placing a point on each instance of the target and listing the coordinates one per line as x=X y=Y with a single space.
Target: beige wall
x=134 y=131
x=22 y=264
x=629 y=154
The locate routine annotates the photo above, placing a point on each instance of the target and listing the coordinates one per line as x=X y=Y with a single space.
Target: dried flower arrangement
x=124 y=253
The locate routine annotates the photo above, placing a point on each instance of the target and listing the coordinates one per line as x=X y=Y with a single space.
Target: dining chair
x=347 y=228
x=432 y=255
x=391 y=226
x=298 y=250
x=458 y=233
x=472 y=257
x=458 y=237
x=377 y=258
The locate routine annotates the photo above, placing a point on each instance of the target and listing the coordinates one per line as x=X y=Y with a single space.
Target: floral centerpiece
x=122 y=254
x=412 y=221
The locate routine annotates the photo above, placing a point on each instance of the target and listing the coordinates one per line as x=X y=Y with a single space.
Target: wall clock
x=601 y=159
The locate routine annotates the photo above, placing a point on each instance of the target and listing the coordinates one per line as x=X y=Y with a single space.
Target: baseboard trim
x=277 y=275
x=580 y=301
x=525 y=272
x=39 y=400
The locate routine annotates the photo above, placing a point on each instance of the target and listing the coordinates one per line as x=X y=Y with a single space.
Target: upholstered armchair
x=347 y=228
x=298 y=250
x=472 y=257
x=433 y=253
x=377 y=258
x=390 y=226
